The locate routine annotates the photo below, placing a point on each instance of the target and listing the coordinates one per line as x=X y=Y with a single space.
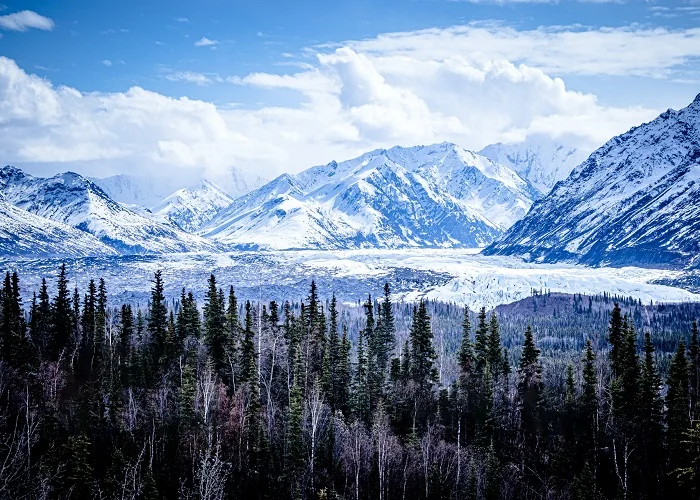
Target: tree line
x=230 y=399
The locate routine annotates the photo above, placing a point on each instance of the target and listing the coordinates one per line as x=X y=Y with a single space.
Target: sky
x=175 y=88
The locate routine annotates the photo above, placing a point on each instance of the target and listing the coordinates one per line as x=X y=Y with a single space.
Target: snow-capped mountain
x=432 y=196
x=634 y=200
x=73 y=200
x=540 y=161
x=23 y=233
x=191 y=208
x=235 y=182
x=149 y=192
x=137 y=190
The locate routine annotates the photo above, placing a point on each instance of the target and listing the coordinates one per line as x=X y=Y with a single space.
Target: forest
x=552 y=398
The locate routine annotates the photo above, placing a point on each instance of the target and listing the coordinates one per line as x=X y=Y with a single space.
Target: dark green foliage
x=178 y=404
x=677 y=405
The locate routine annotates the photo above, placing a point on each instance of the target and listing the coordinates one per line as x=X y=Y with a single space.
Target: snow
x=424 y=196
x=454 y=275
x=539 y=160
x=23 y=233
x=634 y=200
x=191 y=208
x=76 y=201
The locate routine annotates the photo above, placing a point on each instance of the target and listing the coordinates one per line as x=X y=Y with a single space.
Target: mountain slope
x=636 y=200
x=149 y=192
x=540 y=161
x=76 y=201
x=191 y=208
x=433 y=196
x=136 y=190
x=23 y=233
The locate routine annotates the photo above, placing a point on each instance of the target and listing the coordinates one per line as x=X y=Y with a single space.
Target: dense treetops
x=235 y=399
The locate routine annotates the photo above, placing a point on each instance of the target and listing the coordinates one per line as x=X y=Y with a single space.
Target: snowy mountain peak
x=538 y=160
x=634 y=200
x=76 y=201
x=191 y=208
x=438 y=196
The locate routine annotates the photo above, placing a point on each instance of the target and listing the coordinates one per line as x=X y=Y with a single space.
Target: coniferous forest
x=224 y=398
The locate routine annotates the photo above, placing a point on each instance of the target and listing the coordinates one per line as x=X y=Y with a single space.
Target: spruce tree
x=677 y=405
x=495 y=353
x=651 y=419
x=64 y=319
x=157 y=319
x=215 y=336
x=481 y=343
x=423 y=354
x=694 y=355
x=530 y=390
x=248 y=362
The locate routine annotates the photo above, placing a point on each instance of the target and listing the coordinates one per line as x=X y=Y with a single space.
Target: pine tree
x=651 y=418
x=495 y=354
x=677 y=404
x=64 y=319
x=248 y=361
x=343 y=375
x=530 y=390
x=157 y=319
x=15 y=347
x=422 y=351
x=694 y=355
x=615 y=339
x=41 y=322
x=294 y=440
x=215 y=336
x=481 y=344
x=361 y=396
x=589 y=403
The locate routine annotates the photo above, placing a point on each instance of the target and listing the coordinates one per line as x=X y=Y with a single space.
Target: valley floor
x=450 y=275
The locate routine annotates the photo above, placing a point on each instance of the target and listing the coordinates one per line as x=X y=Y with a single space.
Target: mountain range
x=635 y=200
x=76 y=201
x=423 y=196
x=539 y=160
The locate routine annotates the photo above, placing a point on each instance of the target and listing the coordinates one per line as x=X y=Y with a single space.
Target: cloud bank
x=472 y=85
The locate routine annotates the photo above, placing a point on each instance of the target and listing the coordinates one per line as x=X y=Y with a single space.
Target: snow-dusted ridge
x=423 y=196
x=23 y=233
x=636 y=200
x=76 y=201
x=541 y=161
x=191 y=208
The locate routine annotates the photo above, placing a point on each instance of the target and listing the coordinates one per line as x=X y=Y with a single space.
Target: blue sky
x=275 y=86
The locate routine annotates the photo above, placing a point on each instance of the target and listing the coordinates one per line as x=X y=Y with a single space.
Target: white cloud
x=182 y=20
x=24 y=20
x=205 y=42
x=472 y=85
x=189 y=77
x=624 y=51
x=106 y=62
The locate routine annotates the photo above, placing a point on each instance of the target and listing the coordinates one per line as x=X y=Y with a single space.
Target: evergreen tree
x=215 y=336
x=495 y=354
x=481 y=344
x=651 y=419
x=694 y=355
x=422 y=351
x=361 y=396
x=248 y=361
x=157 y=319
x=64 y=318
x=677 y=405
x=530 y=390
